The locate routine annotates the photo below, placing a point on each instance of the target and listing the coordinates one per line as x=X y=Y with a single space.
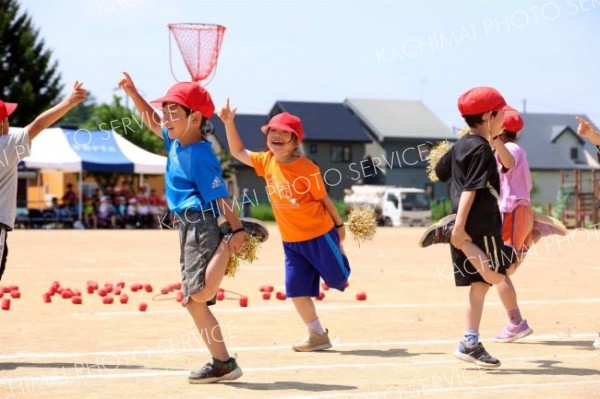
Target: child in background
x=310 y=226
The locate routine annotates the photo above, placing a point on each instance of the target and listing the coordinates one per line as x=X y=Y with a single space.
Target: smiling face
x=181 y=125
x=282 y=143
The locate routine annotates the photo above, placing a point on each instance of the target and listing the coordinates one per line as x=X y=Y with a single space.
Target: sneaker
x=596 y=343
x=314 y=342
x=438 y=233
x=216 y=371
x=476 y=354
x=547 y=225
x=514 y=332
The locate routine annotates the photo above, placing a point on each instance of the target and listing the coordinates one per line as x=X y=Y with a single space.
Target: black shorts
x=3 y=249
x=499 y=255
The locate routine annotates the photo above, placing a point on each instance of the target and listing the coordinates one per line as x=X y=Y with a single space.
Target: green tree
x=27 y=73
x=79 y=115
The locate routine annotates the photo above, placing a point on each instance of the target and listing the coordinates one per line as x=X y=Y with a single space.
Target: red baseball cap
x=190 y=95
x=480 y=100
x=512 y=120
x=6 y=109
x=286 y=122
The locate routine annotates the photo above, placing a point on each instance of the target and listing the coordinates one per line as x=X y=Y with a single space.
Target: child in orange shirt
x=310 y=226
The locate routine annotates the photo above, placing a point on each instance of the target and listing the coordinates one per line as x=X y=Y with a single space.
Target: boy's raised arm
x=52 y=115
x=150 y=117
x=236 y=146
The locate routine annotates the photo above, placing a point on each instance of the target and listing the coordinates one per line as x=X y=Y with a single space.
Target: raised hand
x=126 y=83
x=78 y=94
x=227 y=114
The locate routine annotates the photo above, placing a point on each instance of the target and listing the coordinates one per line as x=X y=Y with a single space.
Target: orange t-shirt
x=295 y=190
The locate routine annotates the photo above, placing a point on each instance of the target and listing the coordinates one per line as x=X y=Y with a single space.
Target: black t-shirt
x=471 y=166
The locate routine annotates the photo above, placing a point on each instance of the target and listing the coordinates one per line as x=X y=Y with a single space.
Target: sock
x=315 y=326
x=514 y=315
x=471 y=337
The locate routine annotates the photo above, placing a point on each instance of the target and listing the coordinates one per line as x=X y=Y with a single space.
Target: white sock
x=315 y=326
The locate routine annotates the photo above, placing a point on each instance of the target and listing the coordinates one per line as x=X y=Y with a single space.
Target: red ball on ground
x=324 y=286
x=15 y=294
x=280 y=295
x=76 y=293
x=179 y=296
x=320 y=297
x=148 y=288
x=244 y=301
x=177 y=286
x=220 y=295
x=66 y=294
x=14 y=287
x=6 y=304
x=117 y=291
x=107 y=300
x=108 y=287
x=102 y=292
x=76 y=300
x=165 y=290
x=266 y=296
x=90 y=289
x=143 y=306
x=361 y=296
x=6 y=290
x=123 y=298
x=47 y=297
x=121 y=284
x=136 y=287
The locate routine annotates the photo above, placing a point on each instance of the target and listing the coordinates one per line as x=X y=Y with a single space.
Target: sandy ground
x=396 y=344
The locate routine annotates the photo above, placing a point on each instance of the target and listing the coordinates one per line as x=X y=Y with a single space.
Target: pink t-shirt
x=515 y=183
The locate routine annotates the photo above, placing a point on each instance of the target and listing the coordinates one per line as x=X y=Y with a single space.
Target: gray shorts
x=199 y=237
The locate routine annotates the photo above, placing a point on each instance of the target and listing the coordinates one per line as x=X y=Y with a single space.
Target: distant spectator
x=107 y=214
x=145 y=217
x=89 y=213
x=132 y=214
x=70 y=197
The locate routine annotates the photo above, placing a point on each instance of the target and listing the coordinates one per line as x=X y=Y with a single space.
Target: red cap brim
x=285 y=128
x=10 y=108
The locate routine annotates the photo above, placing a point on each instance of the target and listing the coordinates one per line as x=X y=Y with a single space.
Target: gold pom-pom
x=362 y=223
x=435 y=154
x=247 y=254
x=464 y=131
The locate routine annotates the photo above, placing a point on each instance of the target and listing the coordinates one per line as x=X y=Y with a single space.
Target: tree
x=79 y=115
x=27 y=73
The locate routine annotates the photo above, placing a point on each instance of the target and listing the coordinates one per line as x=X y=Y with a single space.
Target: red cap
x=6 y=109
x=286 y=122
x=480 y=100
x=512 y=120
x=190 y=95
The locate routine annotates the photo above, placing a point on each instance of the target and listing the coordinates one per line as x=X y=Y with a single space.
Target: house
x=552 y=146
x=334 y=138
x=403 y=132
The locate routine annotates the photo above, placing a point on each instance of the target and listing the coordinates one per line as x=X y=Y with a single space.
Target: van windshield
x=415 y=202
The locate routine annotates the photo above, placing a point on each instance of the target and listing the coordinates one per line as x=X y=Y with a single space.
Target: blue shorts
x=307 y=261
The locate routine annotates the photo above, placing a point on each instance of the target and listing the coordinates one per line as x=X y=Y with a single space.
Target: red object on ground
x=244 y=301
x=66 y=294
x=361 y=296
x=6 y=304
x=165 y=290
x=266 y=296
x=177 y=286
x=320 y=296
x=121 y=284
x=14 y=287
x=280 y=295
x=90 y=289
x=136 y=287
x=123 y=298
x=76 y=300
x=102 y=292
x=108 y=287
x=15 y=294
x=107 y=300
x=143 y=306
x=347 y=284
x=117 y=291
x=47 y=297
x=220 y=295
x=76 y=293
x=148 y=288
x=6 y=290
x=179 y=296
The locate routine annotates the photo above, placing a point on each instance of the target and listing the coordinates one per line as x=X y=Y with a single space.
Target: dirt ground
x=396 y=344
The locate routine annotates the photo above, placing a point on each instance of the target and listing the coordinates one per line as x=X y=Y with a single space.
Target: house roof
x=539 y=138
x=399 y=119
x=248 y=127
x=325 y=121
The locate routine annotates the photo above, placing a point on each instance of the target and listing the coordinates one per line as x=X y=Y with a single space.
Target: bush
x=440 y=208
x=262 y=212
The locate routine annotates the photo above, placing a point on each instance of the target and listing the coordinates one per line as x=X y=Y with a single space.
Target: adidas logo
x=217 y=182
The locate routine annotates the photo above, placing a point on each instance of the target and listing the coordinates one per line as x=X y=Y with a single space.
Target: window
x=574 y=153
x=341 y=153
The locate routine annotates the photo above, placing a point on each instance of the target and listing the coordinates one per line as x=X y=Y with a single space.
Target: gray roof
x=539 y=138
x=399 y=119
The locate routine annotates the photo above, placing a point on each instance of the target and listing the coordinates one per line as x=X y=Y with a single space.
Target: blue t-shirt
x=193 y=179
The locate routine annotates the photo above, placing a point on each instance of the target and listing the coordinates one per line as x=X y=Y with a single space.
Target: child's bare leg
x=215 y=272
x=481 y=263
x=475 y=308
x=305 y=308
x=507 y=293
x=209 y=329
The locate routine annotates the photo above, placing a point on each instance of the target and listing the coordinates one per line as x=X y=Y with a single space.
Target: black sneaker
x=215 y=372
x=476 y=354
x=439 y=232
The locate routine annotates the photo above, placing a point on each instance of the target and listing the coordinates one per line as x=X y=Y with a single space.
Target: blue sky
x=542 y=51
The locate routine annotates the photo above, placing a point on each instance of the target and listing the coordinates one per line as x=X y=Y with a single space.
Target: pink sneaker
x=547 y=225
x=513 y=332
